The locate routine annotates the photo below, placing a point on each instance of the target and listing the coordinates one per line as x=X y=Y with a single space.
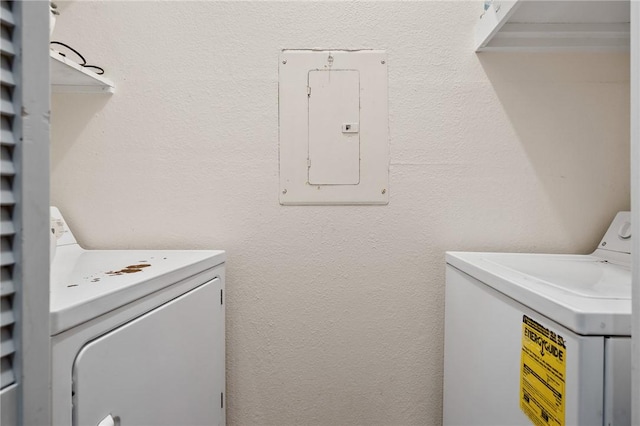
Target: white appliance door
x=164 y=368
x=489 y=368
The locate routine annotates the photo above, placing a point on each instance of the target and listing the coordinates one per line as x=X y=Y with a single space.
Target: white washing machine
x=540 y=339
x=138 y=336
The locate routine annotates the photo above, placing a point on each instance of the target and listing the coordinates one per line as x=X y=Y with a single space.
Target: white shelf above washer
x=554 y=25
x=67 y=76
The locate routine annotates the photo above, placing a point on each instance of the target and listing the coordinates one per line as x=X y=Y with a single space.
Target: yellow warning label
x=542 y=374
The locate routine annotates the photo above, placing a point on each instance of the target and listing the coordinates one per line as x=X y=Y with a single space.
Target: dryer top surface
x=88 y=283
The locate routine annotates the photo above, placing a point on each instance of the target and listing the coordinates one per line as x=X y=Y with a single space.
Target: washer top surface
x=88 y=283
x=588 y=276
x=585 y=293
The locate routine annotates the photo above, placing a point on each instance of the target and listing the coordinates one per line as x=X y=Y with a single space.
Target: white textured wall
x=335 y=314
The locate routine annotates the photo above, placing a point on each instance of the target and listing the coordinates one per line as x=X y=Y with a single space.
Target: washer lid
x=584 y=293
x=88 y=283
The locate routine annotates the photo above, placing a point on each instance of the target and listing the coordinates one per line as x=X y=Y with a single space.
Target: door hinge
x=308 y=91
x=221 y=297
x=308 y=162
x=221 y=400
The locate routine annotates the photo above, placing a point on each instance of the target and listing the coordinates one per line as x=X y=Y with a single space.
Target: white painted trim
x=635 y=206
x=32 y=209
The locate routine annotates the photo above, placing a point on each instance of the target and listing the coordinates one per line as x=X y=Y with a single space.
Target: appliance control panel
x=618 y=236
x=60 y=228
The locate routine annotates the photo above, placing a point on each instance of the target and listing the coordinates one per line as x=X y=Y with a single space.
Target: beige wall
x=335 y=314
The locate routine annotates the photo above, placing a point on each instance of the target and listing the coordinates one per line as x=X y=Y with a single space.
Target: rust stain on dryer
x=129 y=269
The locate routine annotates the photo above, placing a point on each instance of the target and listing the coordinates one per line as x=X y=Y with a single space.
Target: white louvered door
x=9 y=222
x=8 y=106
x=24 y=200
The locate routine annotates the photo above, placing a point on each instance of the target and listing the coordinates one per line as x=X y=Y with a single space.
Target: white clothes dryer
x=540 y=339
x=138 y=336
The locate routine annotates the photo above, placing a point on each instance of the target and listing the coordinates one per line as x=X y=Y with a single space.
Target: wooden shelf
x=554 y=25
x=67 y=76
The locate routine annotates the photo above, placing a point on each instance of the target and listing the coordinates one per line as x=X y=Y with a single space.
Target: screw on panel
x=284 y=61
x=384 y=191
x=383 y=62
x=284 y=191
